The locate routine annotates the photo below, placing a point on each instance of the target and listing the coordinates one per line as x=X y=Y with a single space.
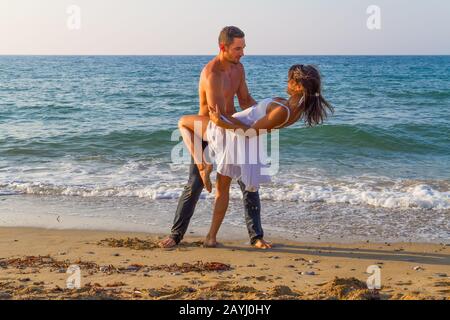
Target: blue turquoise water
x=101 y=126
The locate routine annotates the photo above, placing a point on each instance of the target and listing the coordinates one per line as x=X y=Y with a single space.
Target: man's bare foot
x=209 y=242
x=262 y=244
x=205 y=173
x=167 y=243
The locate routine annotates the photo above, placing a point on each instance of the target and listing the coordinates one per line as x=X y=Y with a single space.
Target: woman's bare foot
x=209 y=242
x=262 y=244
x=167 y=243
x=205 y=173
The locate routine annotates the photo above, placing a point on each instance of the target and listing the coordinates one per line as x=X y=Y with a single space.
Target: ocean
x=86 y=142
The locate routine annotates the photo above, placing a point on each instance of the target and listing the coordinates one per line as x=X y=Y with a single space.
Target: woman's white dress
x=238 y=156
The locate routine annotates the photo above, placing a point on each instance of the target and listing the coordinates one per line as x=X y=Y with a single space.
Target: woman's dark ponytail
x=314 y=107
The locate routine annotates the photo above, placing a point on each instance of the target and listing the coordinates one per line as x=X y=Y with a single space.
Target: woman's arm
x=233 y=120
x=229 y=122
x=272 y=120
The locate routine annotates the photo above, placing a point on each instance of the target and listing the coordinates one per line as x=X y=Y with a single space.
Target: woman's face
x=293 y=87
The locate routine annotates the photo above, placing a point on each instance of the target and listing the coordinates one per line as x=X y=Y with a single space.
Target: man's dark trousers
x=189 y=198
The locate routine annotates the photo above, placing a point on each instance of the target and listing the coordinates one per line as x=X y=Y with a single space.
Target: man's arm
x=214 y=91
x=244 y=97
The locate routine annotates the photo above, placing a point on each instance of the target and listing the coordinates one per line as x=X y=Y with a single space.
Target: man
x=221 y=80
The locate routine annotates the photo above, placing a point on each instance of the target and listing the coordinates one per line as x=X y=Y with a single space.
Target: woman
x=305 y=102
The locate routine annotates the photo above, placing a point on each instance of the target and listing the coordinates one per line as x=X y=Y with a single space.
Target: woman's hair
x=315 y=107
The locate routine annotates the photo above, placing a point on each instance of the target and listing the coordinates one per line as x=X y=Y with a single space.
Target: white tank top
x=252 y=114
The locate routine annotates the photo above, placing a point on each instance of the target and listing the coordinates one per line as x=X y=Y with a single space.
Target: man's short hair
x=228 y=34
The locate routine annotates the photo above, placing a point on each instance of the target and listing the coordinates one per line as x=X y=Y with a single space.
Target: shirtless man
x=221 y=80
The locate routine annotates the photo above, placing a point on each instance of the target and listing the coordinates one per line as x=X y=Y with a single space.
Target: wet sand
x=126 y=265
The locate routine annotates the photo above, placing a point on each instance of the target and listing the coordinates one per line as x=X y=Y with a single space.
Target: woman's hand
x=214 y=114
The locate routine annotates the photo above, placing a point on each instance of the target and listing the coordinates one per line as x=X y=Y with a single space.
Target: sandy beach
x=125 y=265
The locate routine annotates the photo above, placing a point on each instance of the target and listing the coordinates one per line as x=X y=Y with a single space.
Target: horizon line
x=211 y=55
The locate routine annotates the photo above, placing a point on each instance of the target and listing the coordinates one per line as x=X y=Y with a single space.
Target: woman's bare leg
x=193 y=128
x=220 y=208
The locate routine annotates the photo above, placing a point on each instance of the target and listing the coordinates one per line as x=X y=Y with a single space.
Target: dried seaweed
x=132 y=243
x=199 y=266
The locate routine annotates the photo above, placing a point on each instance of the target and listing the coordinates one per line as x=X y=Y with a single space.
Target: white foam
x=144 y=179
x=418 y=196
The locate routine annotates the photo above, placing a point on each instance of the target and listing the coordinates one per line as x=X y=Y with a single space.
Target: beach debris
x=154 y=293
x=199 y=266
x=442 y=284
x=133 y=267
x=404 y=283
x=108 y=269
x=418 y=268
x=5 y=296
x=308 y=273
x=174 y=269
x=347 y=289
x=132 y=243
x=441 y=275
x=282 y=291
x=42 y=262
x=244 y=289
x=32 y=290
x=167 y=293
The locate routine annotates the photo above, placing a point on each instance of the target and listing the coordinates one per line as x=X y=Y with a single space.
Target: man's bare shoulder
x=211 y=76
x=212 y=69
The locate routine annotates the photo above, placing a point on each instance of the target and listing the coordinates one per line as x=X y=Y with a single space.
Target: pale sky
x=191 y=27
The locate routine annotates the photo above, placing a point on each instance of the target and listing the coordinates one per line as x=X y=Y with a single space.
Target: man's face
x=235 y=51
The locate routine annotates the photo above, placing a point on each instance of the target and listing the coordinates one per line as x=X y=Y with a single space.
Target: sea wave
x=407 y=194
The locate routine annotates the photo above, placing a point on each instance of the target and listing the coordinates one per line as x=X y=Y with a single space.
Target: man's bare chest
x=230 y=84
